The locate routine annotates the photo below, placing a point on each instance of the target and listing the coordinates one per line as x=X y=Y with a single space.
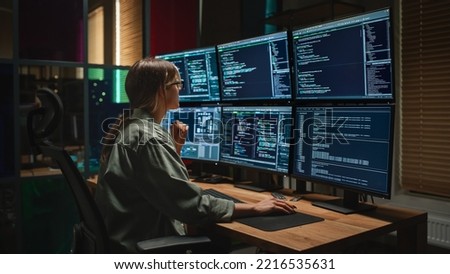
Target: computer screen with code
x=203 y=139
x=257 y=137
x=256 y=68
x=199 y=73
x=349 y=147
x=348 y=59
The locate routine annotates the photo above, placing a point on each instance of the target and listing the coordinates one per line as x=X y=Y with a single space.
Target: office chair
x=90 y=234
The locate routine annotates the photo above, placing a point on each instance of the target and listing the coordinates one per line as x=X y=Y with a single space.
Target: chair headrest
x=43 y=121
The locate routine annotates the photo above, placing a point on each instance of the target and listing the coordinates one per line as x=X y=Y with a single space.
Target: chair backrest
x=90 y=234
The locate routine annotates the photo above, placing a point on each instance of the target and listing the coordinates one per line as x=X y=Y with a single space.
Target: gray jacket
x=143 y=190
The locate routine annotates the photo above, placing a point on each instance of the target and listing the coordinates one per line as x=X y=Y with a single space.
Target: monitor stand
x=300 y=187
x=347 y=205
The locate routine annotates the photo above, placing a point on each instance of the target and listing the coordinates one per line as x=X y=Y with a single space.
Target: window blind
x=425 y=97
x=131 y=42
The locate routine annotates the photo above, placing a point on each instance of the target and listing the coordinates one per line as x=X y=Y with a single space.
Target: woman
x=143 y=188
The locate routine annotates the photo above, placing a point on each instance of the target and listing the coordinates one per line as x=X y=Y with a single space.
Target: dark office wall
x=253 y=18
x=173 y=25
x=51 y=30
x=221 y=22
x=177 y=25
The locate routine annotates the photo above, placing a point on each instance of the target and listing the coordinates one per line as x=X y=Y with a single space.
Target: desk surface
x=42 y=171
x=333 y=235
x=336 y=233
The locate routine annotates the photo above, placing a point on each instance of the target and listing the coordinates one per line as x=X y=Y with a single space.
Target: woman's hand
x=179 y=132
x=264 y=207
x=273 y=205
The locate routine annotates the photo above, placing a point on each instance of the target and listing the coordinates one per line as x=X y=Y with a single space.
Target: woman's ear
x=161 y=92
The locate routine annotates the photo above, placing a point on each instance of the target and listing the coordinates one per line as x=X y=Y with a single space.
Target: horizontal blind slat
x=425 y=97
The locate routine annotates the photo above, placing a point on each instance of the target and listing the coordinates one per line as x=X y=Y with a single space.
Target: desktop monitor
x=347 y=59
x=348 y=147
x=199 y=73
x=256 y=68
x=257 y=137
x=203 y=139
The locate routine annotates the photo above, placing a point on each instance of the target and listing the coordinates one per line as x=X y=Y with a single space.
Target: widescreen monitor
x=256 y=68
x=203 y=139
x=257 y=137
x=347 y=59
x=199 y=73
x=348 y=147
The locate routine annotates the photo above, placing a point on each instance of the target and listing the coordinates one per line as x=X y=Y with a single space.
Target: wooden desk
x=333 y=235
x=37 y=172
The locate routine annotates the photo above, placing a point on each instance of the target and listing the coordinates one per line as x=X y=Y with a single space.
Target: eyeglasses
x=179 y=84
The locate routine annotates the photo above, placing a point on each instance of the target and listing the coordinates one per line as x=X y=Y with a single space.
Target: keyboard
x=219 y=194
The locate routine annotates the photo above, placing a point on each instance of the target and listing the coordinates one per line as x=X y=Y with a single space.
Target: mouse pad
x=278 y=222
